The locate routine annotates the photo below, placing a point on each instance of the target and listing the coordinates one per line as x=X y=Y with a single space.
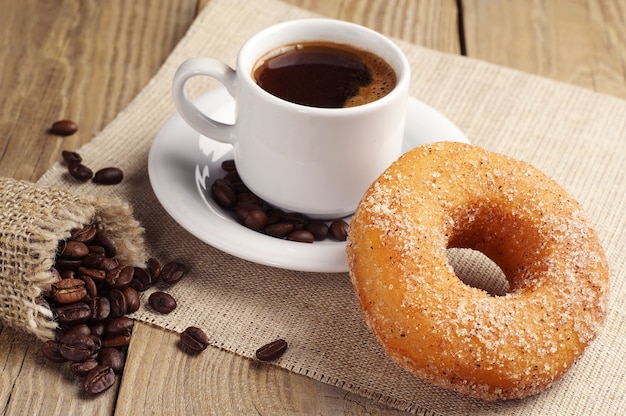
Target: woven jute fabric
x=33 y=219
x=574 y=135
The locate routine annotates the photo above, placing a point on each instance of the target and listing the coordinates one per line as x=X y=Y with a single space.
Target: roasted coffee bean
x=71 y=157
x=73 y=313
x=162 y=302
x=339 y=230
x=116 y=341
x=50 y=350
x=223 y=193
x=172 y=272
x=100 y=308
x=250 y=197
x=232 y=177
x=298 y=220
x=85 y=234
x=275 y=215
x=81 y=369
x=104 y=241
x=109 y=176
x=76 y=347
x=108 y=264
x=112 y=357
x=97 y=275
x=68 y=291
x=242 y=209
x=194 y=338
x=80 y=329
x=256 y=219
x=73 y=250
x=97 y=342
x=80 y=171
x=118 y=303
x=99 y=379
x=229 y=165
x=67 y=264
x=119 y=326
x=97 y=329
x=90 y=285
x=63 y=128
x=272 y=351
x=141 y=280
x=120 y=277
x=67 y=274
x=319 y=229
x=133 y=300
x=280 y=229
x=154 y=269
x=301 y=236
x=95 y=257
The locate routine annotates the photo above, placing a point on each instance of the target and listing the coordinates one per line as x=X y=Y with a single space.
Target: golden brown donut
x=460 y=337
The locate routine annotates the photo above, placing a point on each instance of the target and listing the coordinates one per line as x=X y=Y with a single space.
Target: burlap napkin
x=574 y=135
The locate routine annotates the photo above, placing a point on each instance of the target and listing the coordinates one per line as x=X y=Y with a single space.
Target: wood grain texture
x=582 y=42
x=83 y=60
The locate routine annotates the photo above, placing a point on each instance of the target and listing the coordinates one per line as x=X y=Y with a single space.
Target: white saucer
x=182 y=166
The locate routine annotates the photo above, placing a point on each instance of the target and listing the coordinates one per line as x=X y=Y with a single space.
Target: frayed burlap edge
x=33 y=219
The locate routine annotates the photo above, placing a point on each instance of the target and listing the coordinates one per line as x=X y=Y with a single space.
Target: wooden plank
x=216 y=382
x=91 y=59
x=582 y=42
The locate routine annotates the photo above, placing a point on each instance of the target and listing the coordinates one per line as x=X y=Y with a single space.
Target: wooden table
x=71 y=59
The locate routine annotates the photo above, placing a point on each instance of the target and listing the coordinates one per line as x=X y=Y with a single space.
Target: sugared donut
x=460 y=337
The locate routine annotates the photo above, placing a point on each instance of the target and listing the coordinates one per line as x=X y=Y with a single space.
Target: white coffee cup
x=315 y=161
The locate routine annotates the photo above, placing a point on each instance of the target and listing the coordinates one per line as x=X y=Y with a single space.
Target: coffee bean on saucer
x=301 y=236
x=272 y=351
x=63 y=128
x=339 y=230
x=109 y=176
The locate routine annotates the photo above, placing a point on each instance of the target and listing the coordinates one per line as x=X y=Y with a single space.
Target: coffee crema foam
x=324 y=74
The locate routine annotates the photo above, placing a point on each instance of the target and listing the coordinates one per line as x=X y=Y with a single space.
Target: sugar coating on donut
x=456 y=336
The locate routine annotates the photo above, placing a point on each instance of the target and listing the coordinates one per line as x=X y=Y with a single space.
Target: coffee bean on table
x=162 y=302
x=83 y=368
x=76 y=347
x=194 y=339
x=109 y=176
x=112 y=357
x=272 y=351
x=119 y=326
x=80 y=171
x=141 y=280
x=172 y=272
x=50 y=350
x=120 y=277
x=63 y=128
x=99 y=379
x=71 y=157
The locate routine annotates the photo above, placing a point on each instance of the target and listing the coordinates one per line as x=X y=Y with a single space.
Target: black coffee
x=324 y=74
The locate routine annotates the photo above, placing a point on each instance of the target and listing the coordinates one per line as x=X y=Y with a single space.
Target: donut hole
x=477 y=270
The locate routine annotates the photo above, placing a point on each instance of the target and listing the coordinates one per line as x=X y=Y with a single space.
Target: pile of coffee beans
x=76 y=168
x=90 y=299
x=232 y=194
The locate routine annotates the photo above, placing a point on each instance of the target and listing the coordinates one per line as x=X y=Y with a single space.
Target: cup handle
x=204 y=124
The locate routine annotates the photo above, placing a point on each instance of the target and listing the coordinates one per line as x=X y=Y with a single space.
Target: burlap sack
x=33 y=219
